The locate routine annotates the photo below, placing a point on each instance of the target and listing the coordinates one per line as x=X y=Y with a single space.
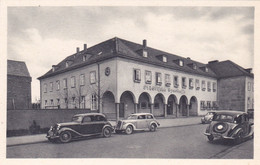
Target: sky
x=43 y=36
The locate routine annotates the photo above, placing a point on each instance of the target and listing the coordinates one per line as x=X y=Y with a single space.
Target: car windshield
x=132 y=117
x=223 y=117
x=77 y=118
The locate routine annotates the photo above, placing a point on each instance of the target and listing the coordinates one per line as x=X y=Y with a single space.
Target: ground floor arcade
x=159 y=105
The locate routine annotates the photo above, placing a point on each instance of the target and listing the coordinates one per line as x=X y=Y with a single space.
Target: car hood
x=68 y=123
x=128 y=120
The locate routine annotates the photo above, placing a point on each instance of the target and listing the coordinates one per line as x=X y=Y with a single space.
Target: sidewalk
x=19 y=140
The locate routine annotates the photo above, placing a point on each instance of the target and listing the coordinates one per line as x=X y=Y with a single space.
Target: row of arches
x=159 y=106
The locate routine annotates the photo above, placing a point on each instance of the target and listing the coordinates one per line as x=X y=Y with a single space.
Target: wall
x=231 y=93
x=22 y=119
x=18 y=92
x=249 y=98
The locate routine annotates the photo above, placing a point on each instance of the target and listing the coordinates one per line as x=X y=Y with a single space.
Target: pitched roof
x=117 y=47
x=227 y=69
x=17 y=68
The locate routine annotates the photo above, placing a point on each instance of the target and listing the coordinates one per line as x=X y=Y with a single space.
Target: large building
x=118 y=77
x=18 y=85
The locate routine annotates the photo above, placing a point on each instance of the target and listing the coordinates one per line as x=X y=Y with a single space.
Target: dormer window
x=194 y=66
x=145 y=53
x=67 y=64
x=181 y=63
x=164 y=58
x=84 y=58
x=206 y=69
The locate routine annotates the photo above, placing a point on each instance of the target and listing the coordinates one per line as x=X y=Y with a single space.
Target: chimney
x=85 y=46
x=77 y=49
x=144 y=44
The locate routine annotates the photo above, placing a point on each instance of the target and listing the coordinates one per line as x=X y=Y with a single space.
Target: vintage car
x=233 y=125
x=207 y=118
x=82 y=125
x=137 y=121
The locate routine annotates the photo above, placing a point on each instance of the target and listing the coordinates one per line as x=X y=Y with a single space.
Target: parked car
x=137 y=121
x=82 y=125
x=250 y=113
x=233 y=125
x=207 y=118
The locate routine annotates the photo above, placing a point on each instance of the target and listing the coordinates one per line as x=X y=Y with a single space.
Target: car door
x=86 y=125
x=98 y=123
x=141 y=122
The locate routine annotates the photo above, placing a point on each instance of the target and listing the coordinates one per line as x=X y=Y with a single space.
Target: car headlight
x=58 y=127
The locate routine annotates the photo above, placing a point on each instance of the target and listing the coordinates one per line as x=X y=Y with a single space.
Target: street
x=174 y=142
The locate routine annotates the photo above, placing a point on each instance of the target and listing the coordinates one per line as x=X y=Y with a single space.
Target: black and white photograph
x=129 y=81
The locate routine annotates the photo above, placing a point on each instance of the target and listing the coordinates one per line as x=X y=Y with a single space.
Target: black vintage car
x=82 y=125
x=234 y=125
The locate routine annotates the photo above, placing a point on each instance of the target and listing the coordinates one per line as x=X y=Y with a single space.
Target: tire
x=210 y=138
x=65 y=137
x=106 y=132
x=129 y=130
x=118 y=131
x=239 y=138
x=153 y=128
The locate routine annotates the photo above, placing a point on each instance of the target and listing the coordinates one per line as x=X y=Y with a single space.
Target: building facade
x=118 y=77
x=18 y=85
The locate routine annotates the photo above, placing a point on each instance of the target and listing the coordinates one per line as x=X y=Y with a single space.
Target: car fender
x=107 y=125
x=153 y=122
x=69 y=129
x=134 y=128
x=236 y=132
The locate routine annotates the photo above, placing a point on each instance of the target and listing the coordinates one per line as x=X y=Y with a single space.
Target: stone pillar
x=117 y=112
x=188 y=110
x=165 y=110
x=151 y=110
x=177 y=110
x=135 y=108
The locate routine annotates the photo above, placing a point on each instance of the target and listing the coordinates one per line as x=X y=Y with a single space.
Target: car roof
x=89 y=114
x=229 y=112
x=141 y=114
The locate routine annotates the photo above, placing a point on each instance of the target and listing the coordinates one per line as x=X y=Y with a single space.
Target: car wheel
x=210 y=137
x=65 y=137
x=118 y=131
x=107 y=132
x=153 y=128
x=129 y=130
x=239 y=138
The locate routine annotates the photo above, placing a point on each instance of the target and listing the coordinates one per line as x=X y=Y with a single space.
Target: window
x=84 y=58
x=93 y=77
x=183 y=81
x=203 y=85
x=176 y=81
x=248 y=86
x=51 y=86
x=143 y=105
x=66 y=102
x=82 y=79
x=156 y=105
x=194 y=66
x=67 y=64
x=73 y=81
x=65 y=83
x=45 y=103
x=202 y=105
x=137 y=75
x=51 y=102
x=167 y=80
x=149 y=117
x=158 y=78
x=93 y=102
x=197 y=84
x=208 y=104
x=58 y=85
x=209 y=86
x=214 y=87
x=82 y=102
x=74 y=102
x=86 y=119
x=45 y=88
x=206 y=69
x=164 y=58
x=181 y=63
x=141 y=117
x=215 y=105
x=191 y=86
x=145 y=53
x=58 y=103
x=148 y=77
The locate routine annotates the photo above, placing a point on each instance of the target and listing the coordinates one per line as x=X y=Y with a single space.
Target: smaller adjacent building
x=18 y=85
